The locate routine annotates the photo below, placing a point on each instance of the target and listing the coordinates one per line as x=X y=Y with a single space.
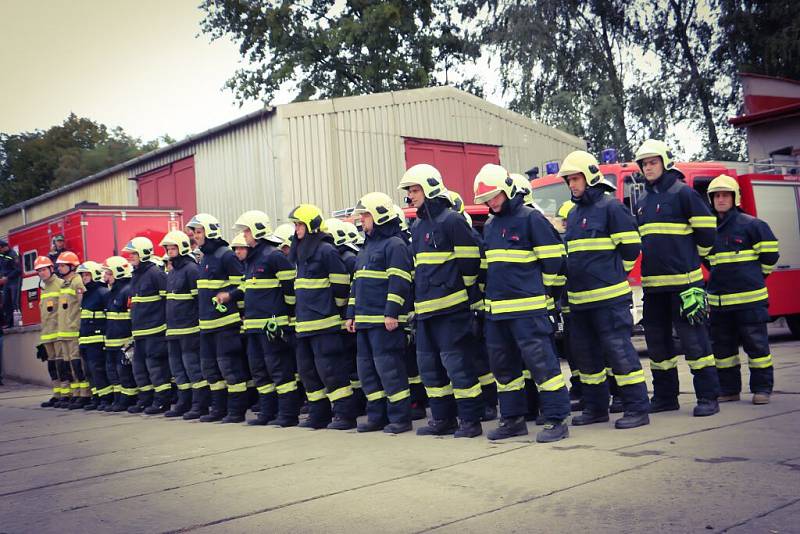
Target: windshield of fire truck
x=550 y=197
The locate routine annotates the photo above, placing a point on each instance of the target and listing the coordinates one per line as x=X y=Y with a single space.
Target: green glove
x=220 y=307
x=273 y=330
x=694 y=305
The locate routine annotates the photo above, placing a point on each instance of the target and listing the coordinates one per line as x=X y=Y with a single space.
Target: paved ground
x=68 y=472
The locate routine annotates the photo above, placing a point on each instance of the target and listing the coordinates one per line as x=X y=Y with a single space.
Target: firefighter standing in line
x=183 y=330
x=268 y=295
x=445 y=252
x=602 y=246
x=380 y=289
x=221 y=351
x=745 y=252
x=149 y=326
x=522 y=250
x=59 y=371
x=677 y=229
x=118 y=338
x=321 y=287
x=92 y=330
x=284 y=232
x=69 y=320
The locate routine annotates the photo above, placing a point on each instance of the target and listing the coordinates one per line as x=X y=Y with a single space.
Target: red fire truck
x=93 y=232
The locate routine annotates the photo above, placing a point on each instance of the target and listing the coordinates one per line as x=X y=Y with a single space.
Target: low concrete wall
x=19 y=356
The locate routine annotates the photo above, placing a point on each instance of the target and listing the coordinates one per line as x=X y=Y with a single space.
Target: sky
x=142 y=65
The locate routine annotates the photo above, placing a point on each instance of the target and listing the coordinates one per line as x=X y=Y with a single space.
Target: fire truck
x=91 y=231
x=771 y=196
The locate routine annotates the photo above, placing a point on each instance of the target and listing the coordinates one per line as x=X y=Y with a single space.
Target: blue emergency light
x=551 y=167
x=609 y=155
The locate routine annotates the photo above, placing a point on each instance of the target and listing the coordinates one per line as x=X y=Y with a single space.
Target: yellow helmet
x=457 y=201
x=581 y=162
x=565 y=208
x=238 y=241
x=207 y=222
x=491 y=181
x=523 y=186
x=93 y=268
x=178 y=239
x=427 y=177
x=402 y=216
x=141 y=246
x=257 y=221
x=119 y=267
x=652 y=148
x=282 y=235
x=723 y=182
x=310 y=215
x=379 y=205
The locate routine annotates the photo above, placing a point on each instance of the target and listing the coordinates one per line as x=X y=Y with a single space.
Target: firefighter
x=380 y=290
x=240 y=247
x=602 y=246
x=445 y=252
x=745 y=252
x=221 y=353
x=677 y=229
x=268 y=295
x=110 y=366
x=59 y=371
x=149 y=326
x=183 y=329
x=118 y=338
x=92 y=330
x=284 y=233
x=322 y=287
x=575 y=392
x=522 y=250
x=69 y=319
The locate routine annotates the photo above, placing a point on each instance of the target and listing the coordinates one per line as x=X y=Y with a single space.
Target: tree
x=325 y=48
x=33 y=163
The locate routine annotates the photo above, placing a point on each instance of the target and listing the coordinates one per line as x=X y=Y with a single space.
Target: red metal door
x=169 y=186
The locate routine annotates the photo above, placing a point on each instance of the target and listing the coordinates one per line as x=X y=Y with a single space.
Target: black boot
x=93 y=403
x=589 y=418
x=124 y=402
x=341 y=423
x=468 y=429
x=50 y=403
x=237 y=406
x=658 y=404
x=553 y=431
x=616 y=405
x=144 y=400
x=489 y=413
x=398 y=428
x=632 y=420
x=218 y=408
x=161 y=403
x=267 y=406
x=288 y=409
x=509 y=427
x=371 y=426
x=79 y=403
x=201 y=397
x=319 y=415
x=706 y=407
x=183 y=404
x=438 y=427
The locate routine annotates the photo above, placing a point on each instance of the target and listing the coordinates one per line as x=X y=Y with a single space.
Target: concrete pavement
x=738 y=471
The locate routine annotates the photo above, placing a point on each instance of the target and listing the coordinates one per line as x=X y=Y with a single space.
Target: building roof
x=782 y=112
x=766 y=99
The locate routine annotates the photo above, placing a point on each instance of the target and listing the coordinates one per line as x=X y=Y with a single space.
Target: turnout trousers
x=383 y=375
x=746 y=327
x=324 y=369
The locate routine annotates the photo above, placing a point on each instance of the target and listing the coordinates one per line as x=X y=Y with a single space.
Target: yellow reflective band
x=626 y=238
x=673 y=279
x=287 y=387
x=291 y=300
x=68 y=334
x=760 y=363
x=732 y=299
x=495 y=307
x=319 y=324
x=477 y=305
x=453 y=299
x=590 y=244
x=340 y=393
x=554 y=280
x=312 y=283
x=703 y=221
x=217 y=386
x=433 y=258
x=664 y=229
x=240 y=387
x=338 y=278
x=634 y=377
x=89 y=314
x=119 y=342
x=180 y=296
x=440 y=391
x=184 y=387
x=609 y=372
x=285 y=275
x=394 y=271
x=183 y=331
x=201 y=384
x=665 y=365
x=369 y=273
x=86 y=340
x=400 y=395
x=596 y=295
x=233 y=280
x=703 y=251
x=118 y=316
x=701 y=363
x=49 y=337
x=227 y=320
x=351 y=301
x=149 y=331
x=129 y=391
x=211 y=284
x=340 y=301
x=391 y=297
x=249 y=324
x=732 y=257
x=93 y=391
x=261 y=283
x=727 y=363
x=355 y=384
x=554 y=384
x=594 y=378
x=509 y=255
x=575 y=373
x=415 y=379
x=314 y=396
x=767 y=269
x=549 y=251
x=486 y=380
x=628 y=265
x=117 y=388
x=466 y=252
x=49 y=295
x=266 y=388
x=377 y=395
x=67 y=291
x=515 y=385
x=163 y=387
x=468 y=393
x=766 y=246
x=57 y=390
x=470 y=280
x=484 y=264
x=149 y=298
x=526 y=374
x=145 y=389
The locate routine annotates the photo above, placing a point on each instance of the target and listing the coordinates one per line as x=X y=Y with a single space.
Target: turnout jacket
x=69 y=308
x=118 y=315
x=677 y=229
x=602 y=246
x=523 y=252
x=220 y=270
x=382 y=280
x=445 y=252
x=93 y=314
x=268 y=288
x=48 y=307
x=148 y=291
x=321 y=287
x=745 y=251
x=182 y=312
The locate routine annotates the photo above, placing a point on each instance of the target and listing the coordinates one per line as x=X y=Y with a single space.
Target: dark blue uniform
x=118 y=336
x=90 y=341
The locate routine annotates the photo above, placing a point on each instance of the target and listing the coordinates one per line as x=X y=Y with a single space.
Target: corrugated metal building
x=327 y=152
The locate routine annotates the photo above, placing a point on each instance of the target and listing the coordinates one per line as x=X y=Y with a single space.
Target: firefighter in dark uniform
x=522 y=249
x=445 y=252
x=379 y=292
x=745 y=252
x=92 y=330
x=602 y=246
x=183 y=329
x=268 y=295
x=221 y=353
x=118 y=338
x=321 y=288
x=149 y=326
x=677 y=230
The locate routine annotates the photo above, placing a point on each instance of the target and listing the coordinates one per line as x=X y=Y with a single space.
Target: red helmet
x=42 y=262
x=70 y=258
